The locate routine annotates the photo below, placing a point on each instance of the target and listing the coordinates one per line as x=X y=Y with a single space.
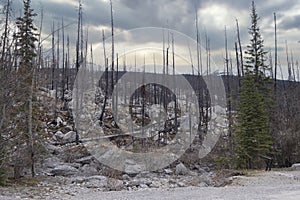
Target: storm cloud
x=213 y=16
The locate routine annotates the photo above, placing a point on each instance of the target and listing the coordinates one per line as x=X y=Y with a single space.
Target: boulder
x=132 y=167
x=52 y=148
x=114 y=184
x=88 y=170
x=69 y=137
x=85 y=160
x=68 y=128
x=73 y=152
x=96 y=182
x=59 y=135
x=51 y=162
x=296 y=167
x=63 y=170
x=181 y=169
x=126 y=177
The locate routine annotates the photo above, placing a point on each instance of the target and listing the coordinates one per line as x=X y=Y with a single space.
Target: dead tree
x=106 y=80
x=240 y=46
x=78 y=35
x=112 y=45
x=275 y=64
x=237 y=64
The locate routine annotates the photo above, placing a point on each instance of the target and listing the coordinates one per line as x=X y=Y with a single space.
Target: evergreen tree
x=26 y=38
x=252 y=132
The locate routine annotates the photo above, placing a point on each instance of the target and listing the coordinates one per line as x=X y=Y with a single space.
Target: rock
x=114 y=184
x=98 y=177
x=78 y=179
x=59 y=135
x=168 y=171
x=172 y=181
x=202 y=184
x=181 y=184
x=155 y=184
x=68 y=128
x=126 y=177
x=43 y=125
x=91 y=182
x=181 y=169
x=132 y=167
x=69 y=137
x=51 y=162
x=73 y=152
x=52 y=149
x=96 y=183
x=64 y=170
x=202 y=171
x=85 y=160
x=88 y=170
x=133 y=182
x=296 y=167
x=56 y=122
x=144 y=186
x=139 y=182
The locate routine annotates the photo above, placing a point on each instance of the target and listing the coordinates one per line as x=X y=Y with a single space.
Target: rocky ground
x=254 y=185
x=66 y=170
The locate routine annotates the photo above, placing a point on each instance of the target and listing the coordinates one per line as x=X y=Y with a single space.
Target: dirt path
x=284 y=185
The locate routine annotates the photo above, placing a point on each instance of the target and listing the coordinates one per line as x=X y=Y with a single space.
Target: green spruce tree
x=252 y=131
x=26 y=38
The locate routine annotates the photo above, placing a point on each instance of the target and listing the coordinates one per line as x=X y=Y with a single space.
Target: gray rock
x=172 y=181
x=98 y=177
x=139 y=182
x=144 y=186
x=114 y=184
x=181 y=184
x=59 y=135
x=126 y=177
x=68 y=128
x=296 y=167
x=168 y=171
x=96 y=183
x=85 y=160
x=88 y=170
x=134 y=182
x=78 y=179
x=69 y=137
x=64 y=170
x=155 y=184
x=181 y=169
x=91 y=182
x=53 y=149
x=43 y=125
x=51 y=162
x=132 y=167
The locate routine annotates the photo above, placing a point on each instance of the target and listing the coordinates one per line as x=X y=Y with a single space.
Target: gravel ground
x=284 y=185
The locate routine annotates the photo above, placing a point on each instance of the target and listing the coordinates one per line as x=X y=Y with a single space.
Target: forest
x=40 y=85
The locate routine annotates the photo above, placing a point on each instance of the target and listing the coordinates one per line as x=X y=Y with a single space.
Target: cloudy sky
x=179 y=15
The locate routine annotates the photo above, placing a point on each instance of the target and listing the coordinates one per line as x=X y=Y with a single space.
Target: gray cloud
x=291 y=22
x=174 y=14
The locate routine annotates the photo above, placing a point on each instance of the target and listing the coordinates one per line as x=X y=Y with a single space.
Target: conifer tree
x=252 y=132
x=26 y=38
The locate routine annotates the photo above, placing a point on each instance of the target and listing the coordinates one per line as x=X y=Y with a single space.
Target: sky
x=178 y=15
